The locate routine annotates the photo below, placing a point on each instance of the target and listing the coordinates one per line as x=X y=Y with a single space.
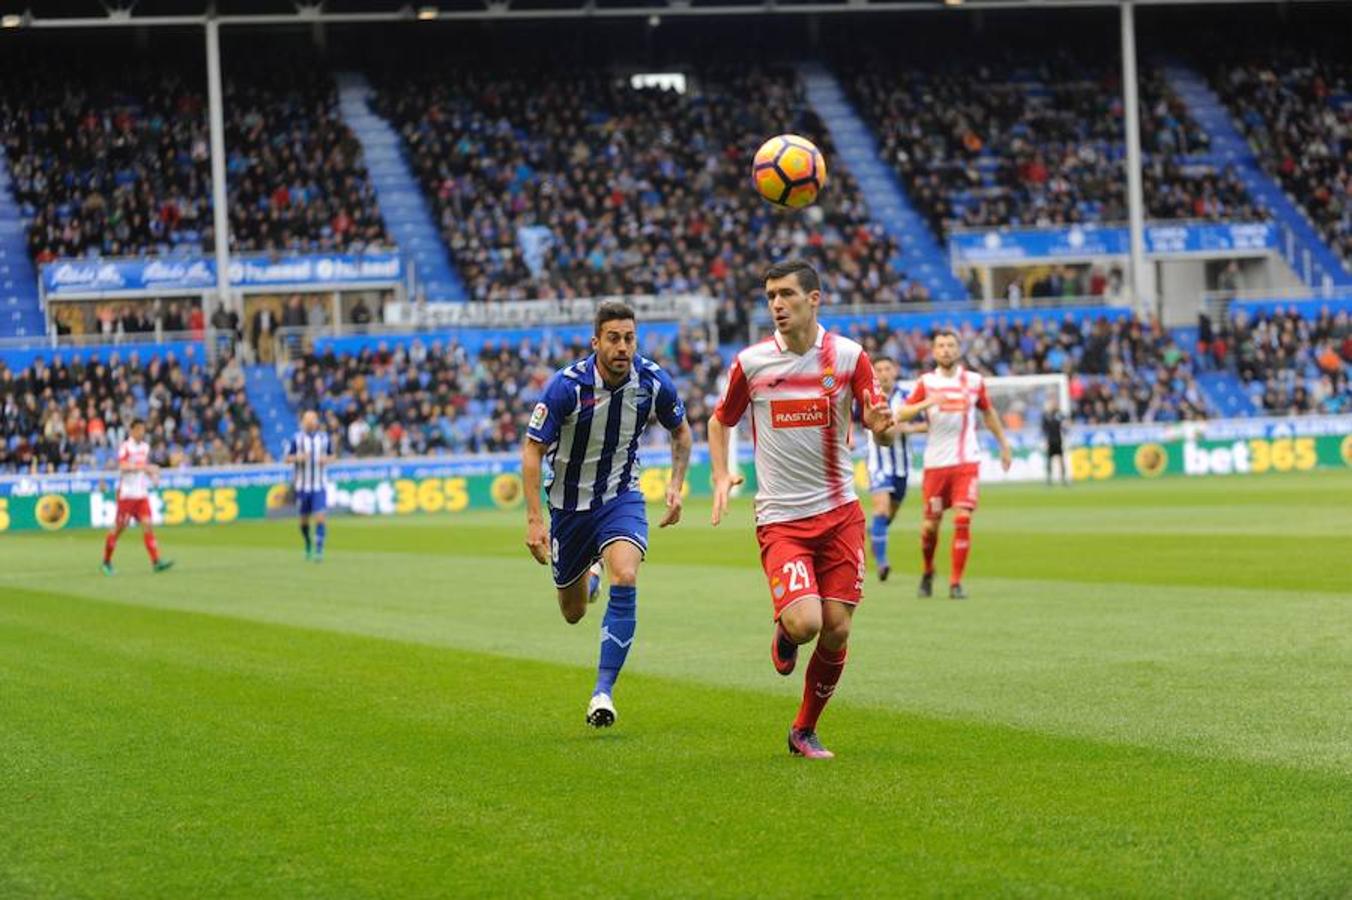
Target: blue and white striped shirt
x=312 y=450
x=591 y=432
x=893 y=461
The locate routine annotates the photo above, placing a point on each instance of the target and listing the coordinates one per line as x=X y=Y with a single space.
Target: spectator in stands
x=171 y=319
x=110 y=157
x=1123 y=371
x=1292 y=105
x=1035 y=140
x=360 y=314
x=293 y=316
x=316 y=313
x=69 y=415
x=438 y=398
x=261 y=333
x=564 y=182
x=1300 y=364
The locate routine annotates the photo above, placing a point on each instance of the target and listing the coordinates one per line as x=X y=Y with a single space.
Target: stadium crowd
x=1295 y=110
x=438 y=397
x=1018 y=142
x=613 y=189
x=67 y=414
x=1127 y=370
x=112 y=159
x=434 y=396
x=1301 y=364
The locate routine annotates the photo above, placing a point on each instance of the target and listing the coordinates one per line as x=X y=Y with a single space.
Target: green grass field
x=1149 y=693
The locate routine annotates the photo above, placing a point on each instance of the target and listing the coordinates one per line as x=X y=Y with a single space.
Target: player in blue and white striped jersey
x=888 y=467
x=586 y=427
x=310 y=451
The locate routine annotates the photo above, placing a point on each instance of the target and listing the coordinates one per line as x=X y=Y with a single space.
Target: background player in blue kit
x=310 y=451
x=587 y=427
x=889 y=466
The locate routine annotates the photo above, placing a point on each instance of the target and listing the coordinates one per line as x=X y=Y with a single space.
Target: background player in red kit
x=950 y=397
x=136 y=473
x=800 y=385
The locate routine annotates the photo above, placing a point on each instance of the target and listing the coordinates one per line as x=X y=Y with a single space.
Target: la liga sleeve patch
x=538 y=416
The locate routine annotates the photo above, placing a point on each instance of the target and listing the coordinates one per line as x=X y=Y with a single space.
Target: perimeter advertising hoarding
x=403 y=488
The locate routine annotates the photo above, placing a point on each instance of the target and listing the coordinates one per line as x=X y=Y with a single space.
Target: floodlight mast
x=1142 y=287
x=220 y=218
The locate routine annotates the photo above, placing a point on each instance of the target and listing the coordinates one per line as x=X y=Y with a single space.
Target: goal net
x=1021 y=401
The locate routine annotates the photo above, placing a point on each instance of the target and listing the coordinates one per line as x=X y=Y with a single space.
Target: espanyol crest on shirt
x=828 y=379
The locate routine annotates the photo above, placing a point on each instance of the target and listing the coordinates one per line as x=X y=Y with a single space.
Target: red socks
x=962 y=542
x=928 y=543
x=152 y=546
x=823 y=672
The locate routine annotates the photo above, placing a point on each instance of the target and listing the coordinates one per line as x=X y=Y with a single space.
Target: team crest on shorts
x=777 y=588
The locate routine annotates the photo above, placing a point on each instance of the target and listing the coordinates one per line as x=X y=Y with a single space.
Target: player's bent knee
x=624 y=576
x=802 y=621
x=835 y=636
x=572 y=607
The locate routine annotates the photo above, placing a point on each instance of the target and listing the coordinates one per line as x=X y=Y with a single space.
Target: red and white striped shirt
x=133 y=485
x=800 y=417
x=952 y=423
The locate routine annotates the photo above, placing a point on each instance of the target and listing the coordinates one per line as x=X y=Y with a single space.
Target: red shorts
x=950 y=486
x=133 y=509
x=820 y=556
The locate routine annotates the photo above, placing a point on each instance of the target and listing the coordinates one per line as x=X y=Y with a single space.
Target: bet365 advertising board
x=454 y=485
x=370 y=488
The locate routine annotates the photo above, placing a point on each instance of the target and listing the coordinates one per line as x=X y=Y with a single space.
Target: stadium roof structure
x=15 y=14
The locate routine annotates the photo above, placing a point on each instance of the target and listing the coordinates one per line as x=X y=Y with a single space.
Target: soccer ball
x=789 y=170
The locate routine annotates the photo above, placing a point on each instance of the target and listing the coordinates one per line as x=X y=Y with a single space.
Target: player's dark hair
x=613 y=311
x=135 y=422
x=885 y=359
x=808 y=279
x=945 y=332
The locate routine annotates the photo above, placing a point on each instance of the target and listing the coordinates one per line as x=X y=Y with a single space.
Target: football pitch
x=1149 y=693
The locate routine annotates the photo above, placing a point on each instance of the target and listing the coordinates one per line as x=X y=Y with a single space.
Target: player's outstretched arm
x=682 y=439
x=537 y=535
x=911 y=410
x=724 y=481
x=992 y=420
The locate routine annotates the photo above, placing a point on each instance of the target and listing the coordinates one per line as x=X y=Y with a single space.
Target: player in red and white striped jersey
x=800 y=386
x=136 y=474
x=951 y=396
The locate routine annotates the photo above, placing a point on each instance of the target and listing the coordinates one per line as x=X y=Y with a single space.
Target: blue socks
x=878 y=533
x=617 y=634
x=319 y=537
x=305 y=533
